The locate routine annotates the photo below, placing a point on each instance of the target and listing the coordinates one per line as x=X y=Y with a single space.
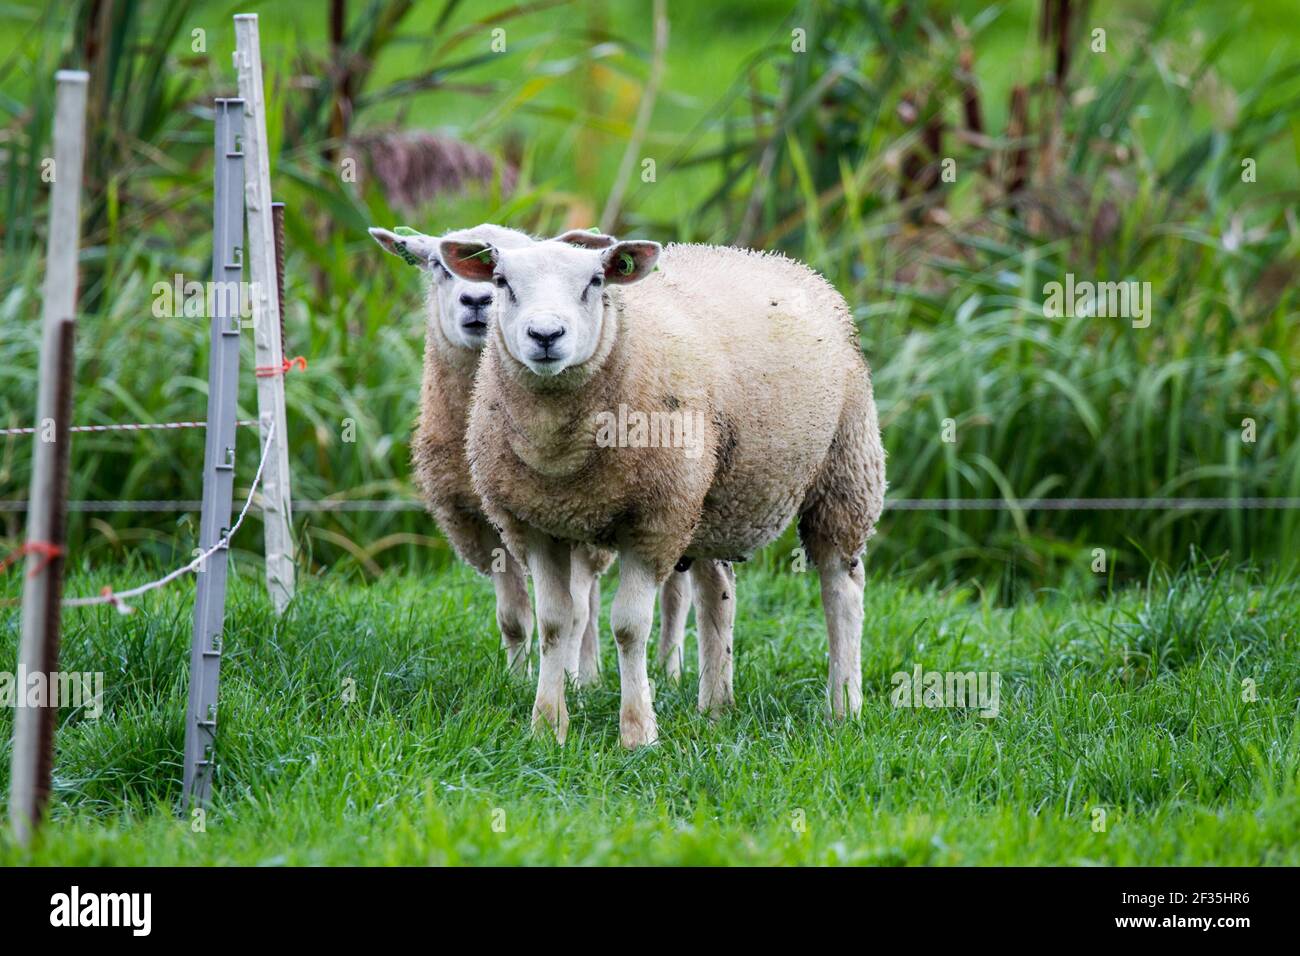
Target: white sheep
x=456 y=327
x=757 y=349
x=457 y=315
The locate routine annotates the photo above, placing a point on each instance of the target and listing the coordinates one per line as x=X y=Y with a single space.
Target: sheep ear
x=630 y=261
x=587 y=239
x=413 y=248
x=474 y=261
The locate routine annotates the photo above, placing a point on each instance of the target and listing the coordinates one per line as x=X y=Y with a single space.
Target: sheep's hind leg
x=589 y=653
x=630 y=619
x=842 y=581
x=584 y=582
x=715 y=621
x=839 y=516
x=674 y=605
x=549 y=561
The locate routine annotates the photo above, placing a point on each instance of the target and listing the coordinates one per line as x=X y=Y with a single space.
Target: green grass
x=1132 y=704
x=951 y=318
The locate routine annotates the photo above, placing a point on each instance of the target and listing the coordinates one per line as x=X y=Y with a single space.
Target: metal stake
x=219 y=452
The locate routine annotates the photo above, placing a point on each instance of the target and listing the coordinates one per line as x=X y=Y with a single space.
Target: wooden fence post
x=277 y=513
x=33 y=744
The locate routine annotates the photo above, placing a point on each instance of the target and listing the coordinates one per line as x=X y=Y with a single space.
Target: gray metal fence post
x=219 y=453
x=33 y=744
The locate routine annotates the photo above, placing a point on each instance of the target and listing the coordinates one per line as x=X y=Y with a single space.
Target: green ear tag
x=626 y=264
x=407 y=255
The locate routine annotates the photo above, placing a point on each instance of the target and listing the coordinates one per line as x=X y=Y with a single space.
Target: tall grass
x=148 y=218
x=1096 y=172
x=1116 y=167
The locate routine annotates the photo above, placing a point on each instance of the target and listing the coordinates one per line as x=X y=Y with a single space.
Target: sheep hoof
x=637 y=731
x=551 y=722
x=715 y=708
x=673 y=669
x=842 y=709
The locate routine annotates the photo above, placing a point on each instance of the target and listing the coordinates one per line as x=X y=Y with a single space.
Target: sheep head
x=550 y=305
x=460 y=307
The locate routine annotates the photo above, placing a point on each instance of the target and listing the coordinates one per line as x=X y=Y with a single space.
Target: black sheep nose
x=476 y=301
x=544 y=339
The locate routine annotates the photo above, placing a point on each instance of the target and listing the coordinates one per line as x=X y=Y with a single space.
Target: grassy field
x=1133 y=705
x=1145 y=717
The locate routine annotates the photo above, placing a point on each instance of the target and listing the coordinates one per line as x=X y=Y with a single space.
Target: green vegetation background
x=1142 y=182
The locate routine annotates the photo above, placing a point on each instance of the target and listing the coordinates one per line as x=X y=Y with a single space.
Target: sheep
x=758 y=349
x=456 y=331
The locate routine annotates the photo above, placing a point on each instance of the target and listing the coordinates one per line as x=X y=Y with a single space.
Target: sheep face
x=461 y=307
x=550 y=304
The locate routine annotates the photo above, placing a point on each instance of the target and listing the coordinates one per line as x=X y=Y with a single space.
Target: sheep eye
x=500 y=281
x=598 y=280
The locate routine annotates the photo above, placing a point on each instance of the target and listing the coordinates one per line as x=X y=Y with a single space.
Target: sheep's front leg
x=843 y=580
x=514 y=614
x=630 y=619
x=589 y=654
x=549 y=562
x=715 y=620
x=674 y=605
